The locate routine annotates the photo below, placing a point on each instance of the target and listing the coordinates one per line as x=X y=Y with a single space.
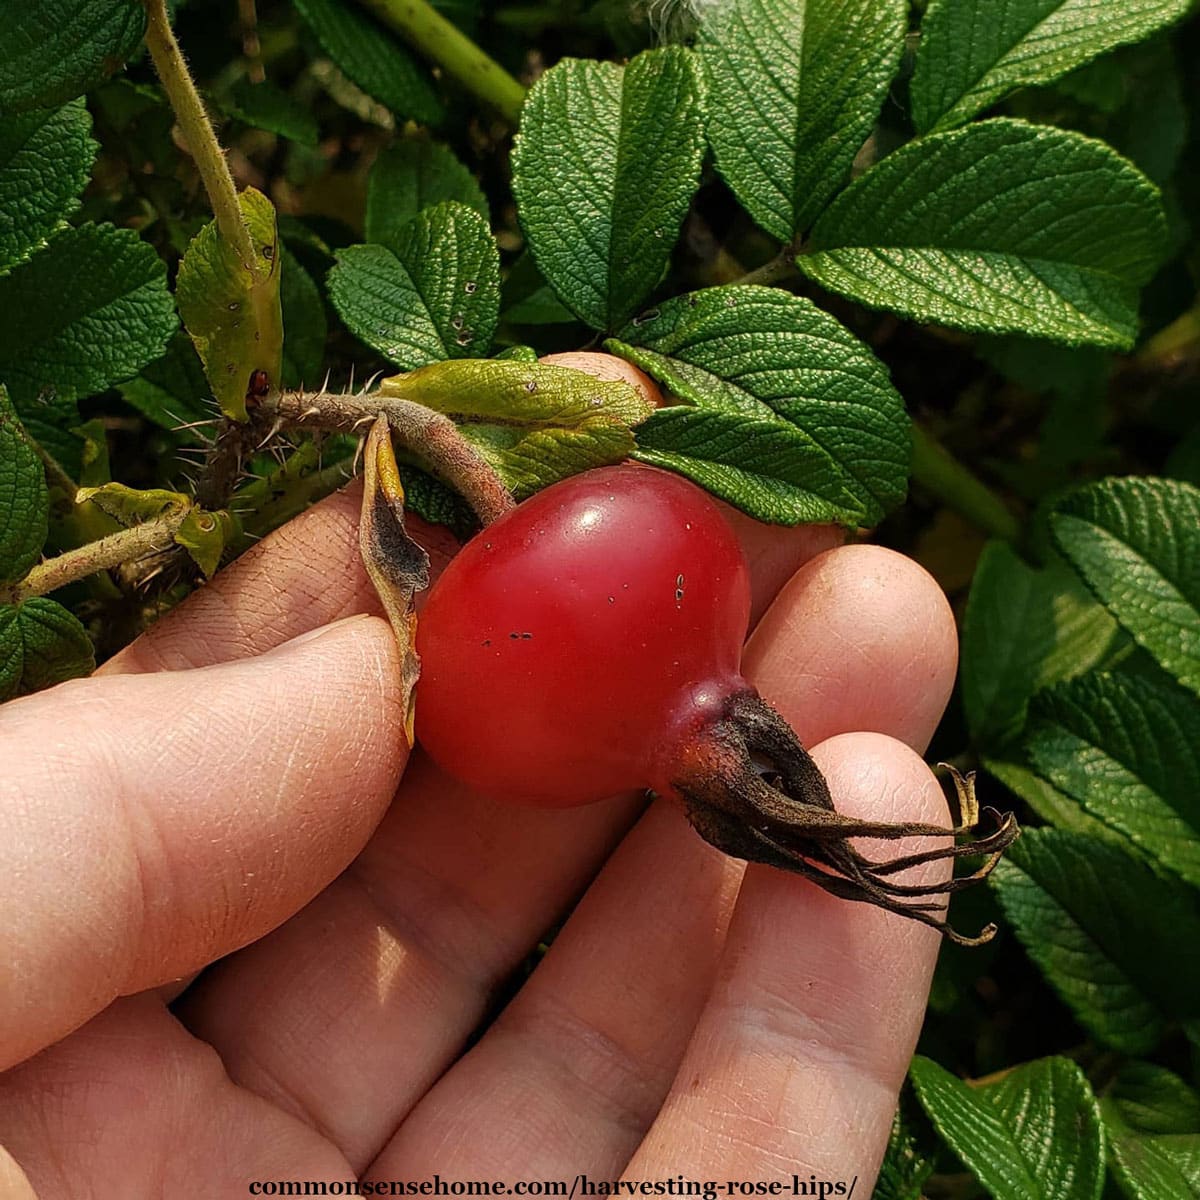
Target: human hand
x=221 y=785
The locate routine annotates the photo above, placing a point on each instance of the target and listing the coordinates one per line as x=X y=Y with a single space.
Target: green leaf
x=45 y=159
x=1024 y=629
x=904 y=1169
x=1152 y=1119
x=409 y=177
x=41 y=644
x=1128 y=749
x=974 y=52
x=304 y=325
x=1053 y=806
x=373 y=58
x=794 y=89
x=792 y=418
x=1032 y=1134
x=534 y=422
x=54 y=50
x=23 y=497
x=1002 y=227
x=1106 y=932
x=132 y=506
x=87 y=312
x=527 y=299
x=172 y=390
x=436 y=297
x=204 y=535
x=268 y=107
x=604 y=168
x=1136 y=543
x=231 y=309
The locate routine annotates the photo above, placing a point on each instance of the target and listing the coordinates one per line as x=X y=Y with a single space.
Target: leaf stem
x=433 y=437
x=939 y=472
x=453 y=51
x=103 y=555
x=198 y=133
x=776 y=270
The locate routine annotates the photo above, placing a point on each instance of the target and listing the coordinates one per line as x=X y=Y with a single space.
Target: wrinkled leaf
x=172 y=390
x=23 y=497
x=41 y=644
x=619 y=149
x=231 y=309
x=791 y=417
x=436 y=297
x=1002 y=227
x=268 y=107
x=794 y=88
x=1152 y=1119
x=1136 y=543
x=974 y=52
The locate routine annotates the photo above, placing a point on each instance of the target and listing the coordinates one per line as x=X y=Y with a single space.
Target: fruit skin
x=571 y=644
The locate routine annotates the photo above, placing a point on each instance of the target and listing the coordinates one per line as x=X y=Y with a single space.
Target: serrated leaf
x=1136 y=543
x=1002 y=227
x=1024 y=629
x=1152 y=1119
x=604 y=168
x=1128 y=750
x=1053 y=806
x=436 y=297
x=792 y=417
x=1031 y=1134
x=534 y=422
x=23 y=497
x=172 y=390
x=87 y=312
x=794 y=88
x=1105 y=931
x=974 y=52
x=268 y=107
x=54 y=50
x=411 y=176
x=45 y=159
x=231 y=309
x=904 y=1169
x=304 y=325
x=374 y=58
x=41 y=644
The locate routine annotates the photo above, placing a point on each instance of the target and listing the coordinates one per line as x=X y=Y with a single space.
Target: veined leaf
x=23 y=497
x=1152 y=1119
x=1024 y=629
x=268 y=107
x=231 y=308
x=436 y=297
x=409 y=177
x=1128 y=750
x=1136 y=543
x=792 y=418
x=41 y=644
x=304 y=325
x=374 y=58
x=604 y=168
x=974 y=52
x=87 y=312
x=1106 y=932
x=1032 y=1134
x=1002 y=227
x=794 y=88
x=172 y=390
x=45 y=159
x=55 y=50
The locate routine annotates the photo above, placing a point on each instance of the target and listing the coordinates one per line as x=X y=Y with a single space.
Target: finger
x=14 y=1183
x=189 y=813
x=802 y=649
x=587 y=1050
x=451 y=895
x=132 y=1106
x=798 y=1057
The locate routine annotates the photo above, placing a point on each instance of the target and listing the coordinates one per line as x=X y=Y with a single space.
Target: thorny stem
x=433 y=437
x=454 y=52
x=198 y=133
x=104 y=555
x=222 y=469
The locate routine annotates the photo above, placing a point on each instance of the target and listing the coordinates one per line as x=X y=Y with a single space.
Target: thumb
x=152 y=823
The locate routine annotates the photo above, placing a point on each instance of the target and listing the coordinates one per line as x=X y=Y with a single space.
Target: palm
x=667 y=1030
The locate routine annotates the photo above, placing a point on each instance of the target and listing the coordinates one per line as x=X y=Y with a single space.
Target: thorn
x=367 y=420
x=275 y=428
x=358 y=452
x=366 y=387
x=315 y=411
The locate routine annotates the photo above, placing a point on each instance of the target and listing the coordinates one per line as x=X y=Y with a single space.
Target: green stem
x=198 y=133
x=779 y=268
x=454 y=52
x=102 y=555
x=939 y=472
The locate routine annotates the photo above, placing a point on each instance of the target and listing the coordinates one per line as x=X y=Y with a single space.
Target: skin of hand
x=218 y=799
